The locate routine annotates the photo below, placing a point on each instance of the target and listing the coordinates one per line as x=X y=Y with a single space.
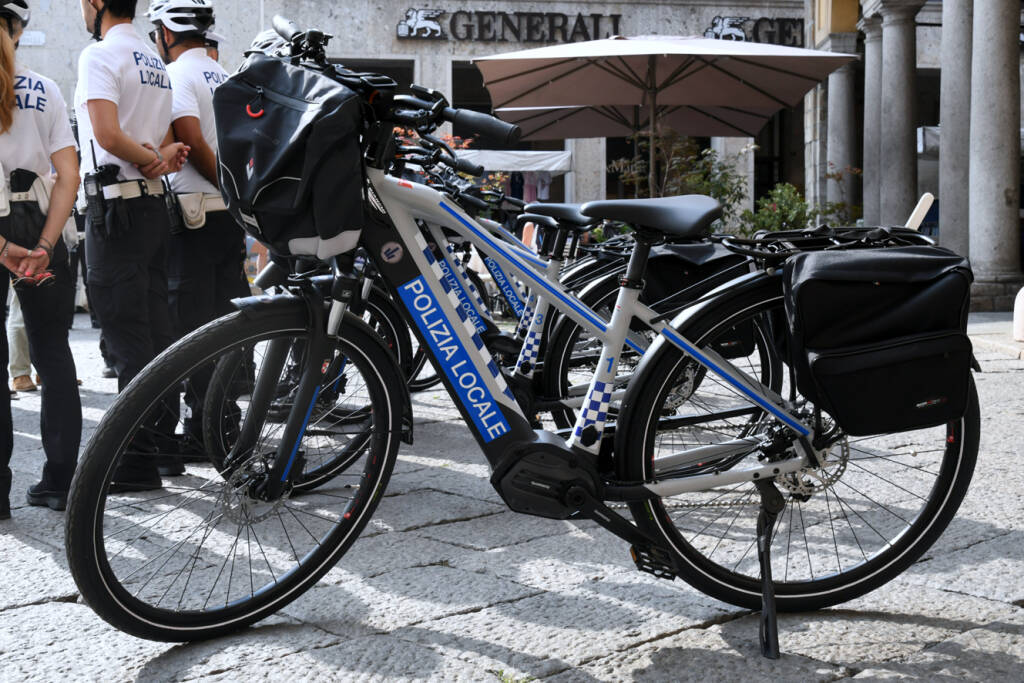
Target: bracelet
x=48 y=250
x=3 y=252
x=48 y=242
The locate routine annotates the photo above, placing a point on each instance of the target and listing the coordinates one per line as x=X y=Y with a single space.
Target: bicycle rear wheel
x=203 y=555
x=848 y=527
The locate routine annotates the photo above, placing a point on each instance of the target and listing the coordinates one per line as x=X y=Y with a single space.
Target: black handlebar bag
x=878 y=336
x=290 y=164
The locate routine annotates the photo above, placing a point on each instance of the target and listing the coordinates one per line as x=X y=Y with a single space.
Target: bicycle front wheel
x=202 y=554
x=848 y=527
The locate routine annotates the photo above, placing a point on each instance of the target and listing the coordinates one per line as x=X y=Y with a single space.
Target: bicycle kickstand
x=772 y=503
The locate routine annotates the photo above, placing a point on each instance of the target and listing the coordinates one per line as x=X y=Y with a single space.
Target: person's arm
x=188 y=130
x=107 y=128
x=62 y=198
x=176 y=153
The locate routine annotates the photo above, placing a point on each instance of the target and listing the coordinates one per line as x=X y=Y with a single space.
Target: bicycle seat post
x=637 y=266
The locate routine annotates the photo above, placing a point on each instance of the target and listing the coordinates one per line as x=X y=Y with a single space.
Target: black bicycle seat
x=567 y=214
x=687 y=216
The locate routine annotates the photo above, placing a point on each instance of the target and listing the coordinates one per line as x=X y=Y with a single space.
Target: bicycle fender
x=265 y=305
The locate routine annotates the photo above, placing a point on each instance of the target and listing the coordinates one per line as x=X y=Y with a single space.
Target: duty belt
x=133 y=189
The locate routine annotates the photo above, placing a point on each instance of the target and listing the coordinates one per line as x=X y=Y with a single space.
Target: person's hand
x=154 y=169
x=176 y=155
x=35 y=263
x=12 y=255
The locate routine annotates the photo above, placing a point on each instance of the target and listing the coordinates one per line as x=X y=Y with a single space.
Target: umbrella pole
x=636 y=147
x=652 y=94
x=652 y=175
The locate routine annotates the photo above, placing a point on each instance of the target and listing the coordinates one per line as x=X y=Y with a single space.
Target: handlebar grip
x=470 y=200
x=485 y=124
x=466 y=166
x=518 y=203
x=286 y=28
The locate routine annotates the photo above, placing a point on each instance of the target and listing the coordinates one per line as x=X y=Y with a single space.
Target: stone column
x=955 y=122
x=841 y=133
x=898 y=191
x=872 y=28
x=738 y=152
x=995 y=154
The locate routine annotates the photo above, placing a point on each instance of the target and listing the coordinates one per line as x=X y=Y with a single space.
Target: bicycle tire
x=219 y=420
x=694 y=547
x=108 y=589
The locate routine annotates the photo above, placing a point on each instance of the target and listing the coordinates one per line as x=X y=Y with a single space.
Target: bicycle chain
x=681 y=504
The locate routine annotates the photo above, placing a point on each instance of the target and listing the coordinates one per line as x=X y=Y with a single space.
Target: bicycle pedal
x=653 y=560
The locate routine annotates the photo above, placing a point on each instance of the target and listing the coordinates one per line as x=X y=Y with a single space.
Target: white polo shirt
x=40 y=127
x=195 y=76
x=126 y=71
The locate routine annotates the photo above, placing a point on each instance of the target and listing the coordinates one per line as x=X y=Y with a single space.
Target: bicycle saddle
x=567 y=214
x=687 y=216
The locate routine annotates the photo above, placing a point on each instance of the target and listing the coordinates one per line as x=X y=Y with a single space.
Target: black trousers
x=48 y=311
x=206 y=270
x=128 y=287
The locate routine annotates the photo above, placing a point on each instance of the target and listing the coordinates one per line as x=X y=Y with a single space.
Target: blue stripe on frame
x=586 y=313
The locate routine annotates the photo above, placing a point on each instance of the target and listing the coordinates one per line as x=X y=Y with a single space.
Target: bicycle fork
x=319 y=352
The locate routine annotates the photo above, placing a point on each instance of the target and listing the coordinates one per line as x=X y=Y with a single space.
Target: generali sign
x=518 y=27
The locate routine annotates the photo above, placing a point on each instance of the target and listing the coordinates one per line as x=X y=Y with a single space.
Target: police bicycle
x=758 y=497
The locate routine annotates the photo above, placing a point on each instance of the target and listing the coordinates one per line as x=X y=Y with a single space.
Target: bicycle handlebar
x=484 y=124
x=286 y=28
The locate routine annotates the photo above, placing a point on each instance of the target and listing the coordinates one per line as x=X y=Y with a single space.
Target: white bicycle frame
x=405 y=202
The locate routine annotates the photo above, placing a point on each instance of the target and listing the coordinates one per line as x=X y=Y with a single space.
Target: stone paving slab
x=447 y=584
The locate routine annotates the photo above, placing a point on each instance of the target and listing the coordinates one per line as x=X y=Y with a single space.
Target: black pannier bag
x=290 y=164
x=691 y=270
x=878 y=336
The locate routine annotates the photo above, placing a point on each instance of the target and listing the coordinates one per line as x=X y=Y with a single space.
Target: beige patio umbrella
x=606 y=121
x=657 y=71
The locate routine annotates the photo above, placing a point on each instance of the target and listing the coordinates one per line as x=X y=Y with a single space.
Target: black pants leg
x=48 y=313
x=128 y=287
x=6 y=423
x=205 y=272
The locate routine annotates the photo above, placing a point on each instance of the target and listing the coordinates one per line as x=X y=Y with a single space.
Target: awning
x=499 y=160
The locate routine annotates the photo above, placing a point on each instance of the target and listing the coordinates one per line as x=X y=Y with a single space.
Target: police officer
x=123 y=102
x=205 y=260
x=35 y=135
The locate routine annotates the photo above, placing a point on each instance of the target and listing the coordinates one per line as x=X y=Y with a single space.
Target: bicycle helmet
x=15 y=9
x=214 y=39
x=268 y=42
x=193 y=17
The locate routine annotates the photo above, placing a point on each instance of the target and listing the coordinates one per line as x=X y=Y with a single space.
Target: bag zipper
x=295 y=103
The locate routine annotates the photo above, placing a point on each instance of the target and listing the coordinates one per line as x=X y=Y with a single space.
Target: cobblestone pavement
x=448 y=585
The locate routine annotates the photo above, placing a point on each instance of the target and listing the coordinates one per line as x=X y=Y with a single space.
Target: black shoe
x=109 y=372
x=169 y=465
x=135 y=474
x=55 y=500
x=5 y=510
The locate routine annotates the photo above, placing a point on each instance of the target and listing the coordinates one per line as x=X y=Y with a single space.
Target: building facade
x=432 y=42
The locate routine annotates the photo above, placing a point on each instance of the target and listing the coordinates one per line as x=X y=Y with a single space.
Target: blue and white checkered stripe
x=478 y=342
x=527 y=318
x=594 y=414
x=529 y=353
x=460 y=269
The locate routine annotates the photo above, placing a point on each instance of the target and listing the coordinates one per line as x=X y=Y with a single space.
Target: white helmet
x=18 y=9
x=214 y=39
x=182 y=16
x=268 y=42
